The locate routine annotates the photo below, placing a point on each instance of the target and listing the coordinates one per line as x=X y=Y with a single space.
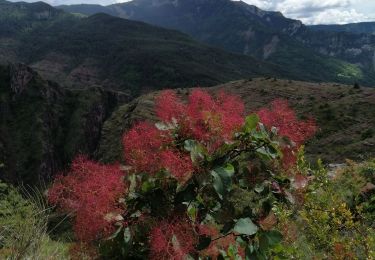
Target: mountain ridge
x=358 y=28
x=269 y=36
x=120 y=54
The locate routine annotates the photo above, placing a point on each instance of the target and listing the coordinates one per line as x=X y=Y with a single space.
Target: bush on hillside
x=336 y=218
x=201 y=182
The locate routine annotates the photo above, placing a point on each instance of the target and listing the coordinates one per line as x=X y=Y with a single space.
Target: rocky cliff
x=42 y=126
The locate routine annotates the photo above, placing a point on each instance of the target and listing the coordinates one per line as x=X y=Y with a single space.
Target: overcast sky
x=309 y=11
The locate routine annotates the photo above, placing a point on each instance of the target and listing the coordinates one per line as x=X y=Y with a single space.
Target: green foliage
x=245 y=226
x=336 y=218
x=23 y=227
x=222 y=193
x=222 y=179
x=368 y=133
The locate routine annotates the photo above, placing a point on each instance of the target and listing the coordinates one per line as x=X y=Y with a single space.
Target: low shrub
x=201 y=182
x=23 y=227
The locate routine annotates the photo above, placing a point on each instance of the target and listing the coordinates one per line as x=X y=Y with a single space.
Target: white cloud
x=309 y=11
x=310 y=6
x=319 y=11
x=334 y=16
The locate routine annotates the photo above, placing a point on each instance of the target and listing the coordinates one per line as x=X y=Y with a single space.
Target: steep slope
x=246 y=29
x=345 y=116
x=365 y=27
x=118 y=53
x=86 y=9
x=354 y=48
x=209 y=20
x=15 y=16
x=43 y=126
x=19 y=18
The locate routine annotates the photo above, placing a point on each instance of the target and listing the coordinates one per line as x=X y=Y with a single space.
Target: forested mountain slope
x=269 y=36
x=115 y=53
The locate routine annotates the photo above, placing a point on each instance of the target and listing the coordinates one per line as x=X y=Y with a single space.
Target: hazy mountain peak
x=163 y=2
x=38 y=10
x=151 y=3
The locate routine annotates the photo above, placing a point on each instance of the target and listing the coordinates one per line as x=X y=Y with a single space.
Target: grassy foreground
x=24 y=227
x=334 y=219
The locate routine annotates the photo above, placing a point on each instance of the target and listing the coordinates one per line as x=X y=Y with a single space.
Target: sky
x=309 y=11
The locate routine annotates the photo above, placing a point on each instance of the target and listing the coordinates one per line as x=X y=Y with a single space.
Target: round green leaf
x=251 y=122
x=245 y=226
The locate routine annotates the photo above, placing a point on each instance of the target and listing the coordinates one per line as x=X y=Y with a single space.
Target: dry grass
x=24 y=229
x=345 y=116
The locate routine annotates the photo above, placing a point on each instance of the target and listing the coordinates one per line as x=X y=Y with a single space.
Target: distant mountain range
x=326 y=55
x=365 y=28
x=135 y=57
x=120 y=54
